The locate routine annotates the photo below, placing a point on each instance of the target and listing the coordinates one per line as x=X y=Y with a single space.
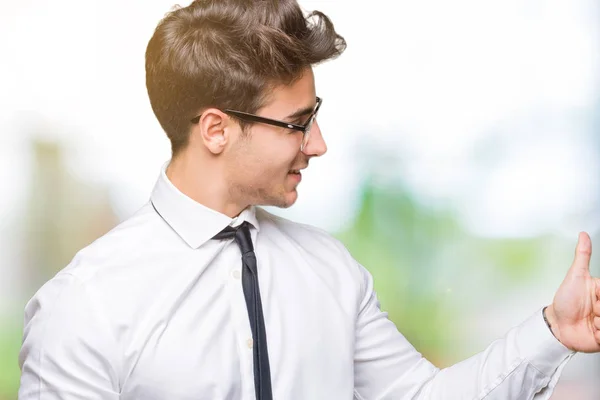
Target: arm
x=525 y=364
x=67 y=351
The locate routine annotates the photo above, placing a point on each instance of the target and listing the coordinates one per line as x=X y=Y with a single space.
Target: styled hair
x=228 y=54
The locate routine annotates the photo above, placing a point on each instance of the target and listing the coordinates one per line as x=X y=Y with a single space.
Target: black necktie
x=262 y=373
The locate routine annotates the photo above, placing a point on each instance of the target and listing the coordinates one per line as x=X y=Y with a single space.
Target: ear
x=212 y=130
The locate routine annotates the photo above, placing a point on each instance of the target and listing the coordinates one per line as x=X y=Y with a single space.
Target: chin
x=284 y=200
x=291 y=198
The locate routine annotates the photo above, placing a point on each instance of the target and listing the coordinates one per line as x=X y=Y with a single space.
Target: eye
x=292 y=131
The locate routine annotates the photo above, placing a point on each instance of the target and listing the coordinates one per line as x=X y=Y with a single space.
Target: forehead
x=285 y=99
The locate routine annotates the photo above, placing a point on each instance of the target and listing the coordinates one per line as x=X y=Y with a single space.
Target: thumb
x=583 y=252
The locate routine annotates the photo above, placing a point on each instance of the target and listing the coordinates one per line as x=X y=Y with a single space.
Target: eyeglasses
x=305 y=129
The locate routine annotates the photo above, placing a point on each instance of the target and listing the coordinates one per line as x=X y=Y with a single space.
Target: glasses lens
x=309 y=125
x=307 y=132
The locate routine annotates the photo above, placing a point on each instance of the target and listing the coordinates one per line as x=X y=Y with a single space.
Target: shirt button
x=236 y=274
x=249 y=342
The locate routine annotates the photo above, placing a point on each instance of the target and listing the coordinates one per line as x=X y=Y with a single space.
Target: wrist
x=550 y=320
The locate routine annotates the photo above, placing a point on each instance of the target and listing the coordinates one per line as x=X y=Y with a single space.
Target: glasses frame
x=305 y=129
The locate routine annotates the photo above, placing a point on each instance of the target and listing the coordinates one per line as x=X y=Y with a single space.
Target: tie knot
x=241 y=234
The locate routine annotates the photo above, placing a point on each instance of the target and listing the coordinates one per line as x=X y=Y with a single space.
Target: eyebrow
x=301 y=112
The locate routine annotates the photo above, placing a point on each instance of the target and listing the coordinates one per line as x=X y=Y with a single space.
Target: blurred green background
x=464 y=155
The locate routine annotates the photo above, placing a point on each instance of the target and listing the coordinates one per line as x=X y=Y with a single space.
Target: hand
x=575 y=311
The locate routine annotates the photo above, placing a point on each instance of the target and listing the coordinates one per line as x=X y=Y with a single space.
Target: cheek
x=267 y=157
x=261 y=170
x=279 y=155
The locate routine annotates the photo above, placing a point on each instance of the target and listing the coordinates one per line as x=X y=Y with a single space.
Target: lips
x=297 y=171
x=295 y=175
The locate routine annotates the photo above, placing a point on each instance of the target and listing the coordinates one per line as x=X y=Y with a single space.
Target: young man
x=203 y=295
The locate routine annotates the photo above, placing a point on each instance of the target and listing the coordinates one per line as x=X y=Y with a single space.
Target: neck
x=190 y=175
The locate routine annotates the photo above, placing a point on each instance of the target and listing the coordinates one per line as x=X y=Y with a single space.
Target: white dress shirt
x=154 y=310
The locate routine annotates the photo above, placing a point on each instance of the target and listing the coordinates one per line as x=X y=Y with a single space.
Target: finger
x=583 y=252
x=597 y=308
x=597 y=284
x=597 y=322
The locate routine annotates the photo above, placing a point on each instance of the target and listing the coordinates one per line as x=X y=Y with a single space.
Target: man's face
x=262 y=165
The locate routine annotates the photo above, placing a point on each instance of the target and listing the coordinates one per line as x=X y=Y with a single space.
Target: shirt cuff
x=539 y=346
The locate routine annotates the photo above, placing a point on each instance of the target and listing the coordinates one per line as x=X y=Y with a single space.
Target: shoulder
x=303 y=234
x=78 y=291
x=132 y=237
x=72 y=282
x=314 y=242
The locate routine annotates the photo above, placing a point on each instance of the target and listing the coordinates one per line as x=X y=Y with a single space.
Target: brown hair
x=228 y=54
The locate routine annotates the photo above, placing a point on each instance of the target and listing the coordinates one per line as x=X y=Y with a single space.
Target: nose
x=316 y=146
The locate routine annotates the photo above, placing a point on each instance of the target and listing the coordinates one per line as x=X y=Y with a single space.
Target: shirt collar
x=192 y=221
